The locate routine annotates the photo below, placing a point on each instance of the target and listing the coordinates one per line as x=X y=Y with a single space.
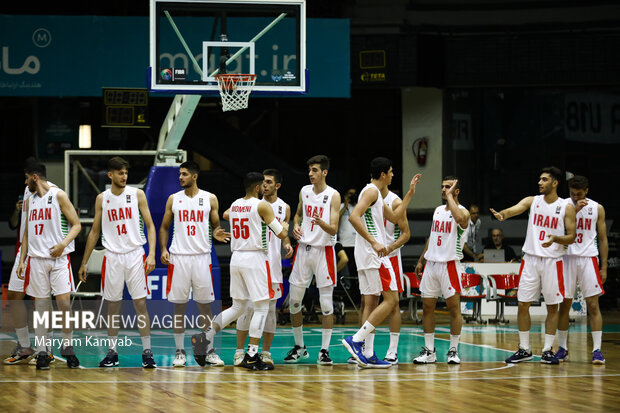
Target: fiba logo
x=276 y=76
x=166 y=74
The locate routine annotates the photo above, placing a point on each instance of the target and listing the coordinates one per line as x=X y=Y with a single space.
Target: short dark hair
x=277 y=175
x=453 y=178
x=251 y=179
x=553 y=171
x=322 y=160
x=379 y=165
x=117 y=163
x=191 y=166
x=578 y=182
x=34 y=167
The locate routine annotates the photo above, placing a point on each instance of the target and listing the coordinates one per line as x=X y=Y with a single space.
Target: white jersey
x=446 y=240
x=192 y=230
x=545 y=219
x=249 y=231
x=22 y=224
x=122 y=228
x=392 y=230
x=365 y=256
x=275 y=243
x=585 y=244
x=47 y=226
x=321 y=204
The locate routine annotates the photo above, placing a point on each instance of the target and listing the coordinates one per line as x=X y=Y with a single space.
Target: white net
x=235 y=90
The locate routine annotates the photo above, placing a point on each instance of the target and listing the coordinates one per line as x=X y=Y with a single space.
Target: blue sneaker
x=597 y=357
x=374 y=363
x=519 y=356
x=355 y=348
x=562 y=354
x=549 y=358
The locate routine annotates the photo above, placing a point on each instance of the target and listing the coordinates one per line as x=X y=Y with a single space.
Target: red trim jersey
x=447 y=237
x=192 y=230
x=545 y=219
x=122 y=228
x=585 y=244
x=248 y=230
x=321 y=204
x=47 y=225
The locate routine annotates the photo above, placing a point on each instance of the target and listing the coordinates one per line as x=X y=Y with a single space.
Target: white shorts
x=46 y=276
x=397 y=265
x=15 y=283
x=250 y=276
x=118 y=269
x=190 y=273
x=541 y=274
x=277 y=291
x=373 y=281
x=317 y=261
x=582 y=270
x=441 y=278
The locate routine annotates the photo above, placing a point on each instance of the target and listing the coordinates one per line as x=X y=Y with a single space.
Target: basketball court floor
x=483 y=382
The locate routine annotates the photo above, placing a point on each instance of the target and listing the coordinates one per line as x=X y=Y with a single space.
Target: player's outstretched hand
x=414 y=181
x=497 y=215
x=221 y=235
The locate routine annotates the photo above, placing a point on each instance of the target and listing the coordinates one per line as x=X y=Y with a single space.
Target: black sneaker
x=324 y=359
x=200 y=346
x=549 y=358
x=69 y=355
x=43 y=361
x=296 y=354
x=519 y=356
x=254 y=363
x=147 y=359
x=110 y=360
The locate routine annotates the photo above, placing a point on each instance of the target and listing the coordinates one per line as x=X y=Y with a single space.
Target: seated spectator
x=472 y=249
x=497 y=242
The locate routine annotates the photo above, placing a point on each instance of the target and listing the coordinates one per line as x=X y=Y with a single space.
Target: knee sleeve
x=326 y=300
x=243 y=322
x=257 y=324
x=296 y=294
x=270 y=321
x=230 y=314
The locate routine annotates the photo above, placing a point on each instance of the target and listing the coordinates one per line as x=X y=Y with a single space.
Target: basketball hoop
x=235 y=90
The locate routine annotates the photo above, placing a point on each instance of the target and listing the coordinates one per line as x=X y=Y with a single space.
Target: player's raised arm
x=334 y=217
x=164 y=232
x=67 y=209
x=393 y=216
x=218 y=232
x=368 y=198
x=461 y=215
x=93 y=237
x=405 y=232
x=266 y=213
x=143 y=206
x=514 y=210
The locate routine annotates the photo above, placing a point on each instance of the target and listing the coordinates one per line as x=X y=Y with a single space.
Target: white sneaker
x=238 y=358
x=214 y=360
x=391 y=358
x=180 y=359
x=266 y=357
x=426 y=357
x=453 y=356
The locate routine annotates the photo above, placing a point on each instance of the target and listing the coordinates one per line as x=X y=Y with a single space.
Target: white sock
x=454 y=341
x=66 y=338
x=563 y=339
x=22 y=336
x=429 y=341
x=146 y=342
x=252 y=349
x=524 y=339
x=597 y=337
x=298 y=334
x=549 y=339
x=113 y=340
x=393 y=343
x=363 y=332
x=369 y=345
x=179 y=339
x=326 y=338
x=40 y=334
x=240 y=351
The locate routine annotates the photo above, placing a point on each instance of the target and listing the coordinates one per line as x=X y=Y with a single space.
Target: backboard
x=192 y=40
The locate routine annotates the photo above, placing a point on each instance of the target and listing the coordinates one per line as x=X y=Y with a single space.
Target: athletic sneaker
x=50 y=355
x=147 y=359
x=266 y=357
x=20 y=355
x=391 y=358
x=426 y=357
x=453 y=356
x=110 y=360
x=549 y=358
x=562 y=354
x=200 y=346
x=597 y=357
x=180 y=358
x=356 y=350
x=519 y=356
x=324 y=359
x=351 y=360
x=213 y=359
x=69 y=355
x=374 y=363
x=254 y=363
x=43 y=361
x=296 y=354
x=238 y=358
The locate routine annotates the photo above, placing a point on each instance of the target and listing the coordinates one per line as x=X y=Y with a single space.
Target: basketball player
x=194 y=213
x=50 y=229
x=282 y=212
x=581 y=266
x=250 y=274
x=120 y=215
x=315 y=229
x=440 y=269
x=372 y=248
x=550 y=228
x=17 y=308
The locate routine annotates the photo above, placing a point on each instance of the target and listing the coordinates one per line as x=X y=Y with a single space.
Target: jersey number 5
x=240 y=228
